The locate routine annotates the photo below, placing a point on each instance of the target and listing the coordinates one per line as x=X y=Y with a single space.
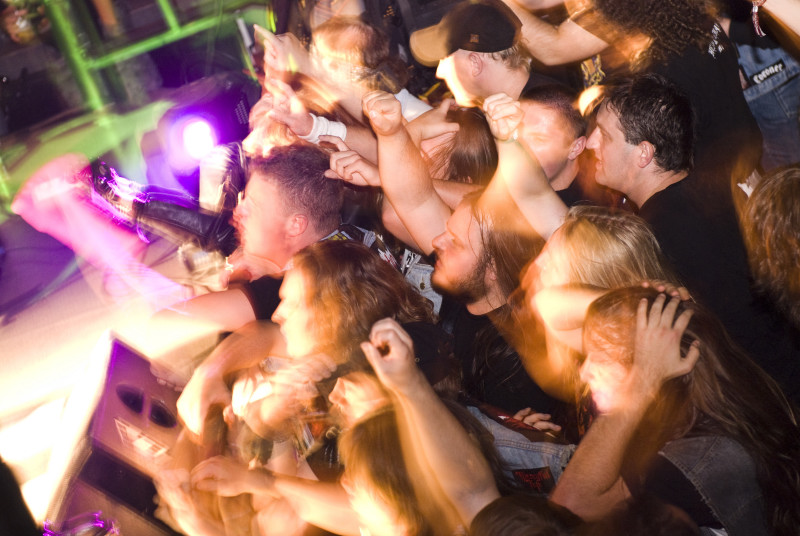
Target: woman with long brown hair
x=685 y=415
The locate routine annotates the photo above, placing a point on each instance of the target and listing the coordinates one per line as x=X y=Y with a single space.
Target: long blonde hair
x=606 y=248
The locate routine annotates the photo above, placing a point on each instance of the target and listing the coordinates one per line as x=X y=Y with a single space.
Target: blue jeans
x=517 y=452
x=773 y=95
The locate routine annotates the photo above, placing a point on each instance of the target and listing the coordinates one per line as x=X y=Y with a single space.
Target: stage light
x=207 y=112
x=199 y=137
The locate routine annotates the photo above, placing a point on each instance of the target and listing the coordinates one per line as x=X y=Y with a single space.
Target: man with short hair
x=643 y=143
x=554 y=131
x=287 y=205
x=478 y=49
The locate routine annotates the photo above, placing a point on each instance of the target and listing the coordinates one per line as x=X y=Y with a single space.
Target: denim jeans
x=773 y=94
x=517 y=452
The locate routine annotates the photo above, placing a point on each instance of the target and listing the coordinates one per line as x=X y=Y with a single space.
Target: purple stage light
x=190 y=138
x=199 y=137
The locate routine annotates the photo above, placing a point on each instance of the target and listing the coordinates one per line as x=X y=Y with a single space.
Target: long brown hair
x=349 y=287
x=372 y=454
x=727 y=393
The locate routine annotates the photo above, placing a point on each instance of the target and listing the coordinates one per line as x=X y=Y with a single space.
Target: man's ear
x=647 y=152
x=297 y=224
x=576 y=148
x=475 y=63
x=491 y=271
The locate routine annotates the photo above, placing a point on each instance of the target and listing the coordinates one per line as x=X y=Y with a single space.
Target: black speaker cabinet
x=128 y=438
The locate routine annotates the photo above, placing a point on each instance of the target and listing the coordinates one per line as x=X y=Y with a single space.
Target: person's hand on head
x=350 y=166
x=504 y=115
x=657 y=355
x=383 y=111
x=669 y=289
x=433 y=123
x=390 y=351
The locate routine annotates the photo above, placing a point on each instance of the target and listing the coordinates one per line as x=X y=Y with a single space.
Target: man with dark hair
x=679 y=40
x=478 y=49
x=643 y=143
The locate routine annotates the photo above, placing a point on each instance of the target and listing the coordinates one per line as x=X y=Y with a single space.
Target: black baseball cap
x=475 y=25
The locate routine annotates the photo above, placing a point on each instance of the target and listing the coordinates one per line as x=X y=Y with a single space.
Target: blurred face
x=295 y=317
x=604 y=375
x=459 y=270
x=356 y=395
x=331 y=64
x=261 y=220
x=615 y=157
x=455 y=71
x=549 y=267
x=548 y=137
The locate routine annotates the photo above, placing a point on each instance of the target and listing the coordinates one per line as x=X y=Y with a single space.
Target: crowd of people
x=501 y=312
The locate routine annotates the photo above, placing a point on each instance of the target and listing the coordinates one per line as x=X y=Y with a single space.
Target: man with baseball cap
x=479 y=52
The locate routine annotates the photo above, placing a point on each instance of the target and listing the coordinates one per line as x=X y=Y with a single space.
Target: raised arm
x=518 y=171
x=460 y=469
x=555 y=45
x=592 y=484
x=404 y=176
x=787 y=12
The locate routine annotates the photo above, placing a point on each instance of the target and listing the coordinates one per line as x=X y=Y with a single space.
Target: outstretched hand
x=384 y=112
x=504 y=115
x=350 y=166
x=657 y=351
x=390 y=351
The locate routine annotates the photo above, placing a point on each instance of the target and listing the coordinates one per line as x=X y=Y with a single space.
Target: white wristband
x=324 y=127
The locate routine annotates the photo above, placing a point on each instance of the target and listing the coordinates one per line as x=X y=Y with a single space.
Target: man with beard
x=480 y=247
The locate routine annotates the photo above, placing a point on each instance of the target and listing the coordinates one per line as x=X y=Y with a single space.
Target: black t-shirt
x=728 y=140
x=726 y=129
x=492 y=372
x=704 y=244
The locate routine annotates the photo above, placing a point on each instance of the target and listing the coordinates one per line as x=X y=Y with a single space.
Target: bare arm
x=519 y=171
x=563 y=310
x=787 y=12
x=460 y=468
x=555 y=45
x=453 y=192
x=323 y=504
x=193 y=326
x=592 y=484
x=244 y=348
x=404 y=176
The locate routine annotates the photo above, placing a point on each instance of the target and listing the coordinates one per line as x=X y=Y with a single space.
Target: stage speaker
x=129 y=436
